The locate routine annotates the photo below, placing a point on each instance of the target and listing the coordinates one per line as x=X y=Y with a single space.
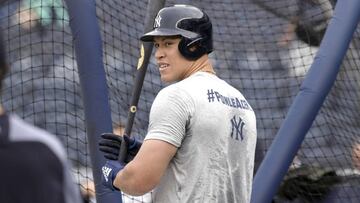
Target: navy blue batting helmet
x=192 y=24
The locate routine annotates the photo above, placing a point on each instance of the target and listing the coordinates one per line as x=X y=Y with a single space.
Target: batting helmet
x=189 y=22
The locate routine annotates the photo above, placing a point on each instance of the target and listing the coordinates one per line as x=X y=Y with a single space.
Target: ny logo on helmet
x=157 y=21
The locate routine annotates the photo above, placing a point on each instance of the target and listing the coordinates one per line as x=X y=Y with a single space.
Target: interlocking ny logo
x=237 y=125
x=157 y=21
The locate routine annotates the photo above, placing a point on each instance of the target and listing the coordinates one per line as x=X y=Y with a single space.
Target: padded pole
x=88 y=49
x=313 y=91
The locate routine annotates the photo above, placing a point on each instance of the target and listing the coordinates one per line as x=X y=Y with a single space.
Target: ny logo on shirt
x=237 y=125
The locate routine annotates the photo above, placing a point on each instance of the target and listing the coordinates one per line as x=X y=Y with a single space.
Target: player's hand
x=109 y=172
x=110 y=144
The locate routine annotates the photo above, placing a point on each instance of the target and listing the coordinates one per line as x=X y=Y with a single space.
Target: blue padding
x=88 y=48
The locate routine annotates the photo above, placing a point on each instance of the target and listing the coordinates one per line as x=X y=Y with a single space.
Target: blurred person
x=355 y=155
x=309 y=183
x=201 y=139
x=42 y=13
x=87 y=190
x=309 y=22
x=349 y=189
x=34 y=166
x=119 y=129
x=306 y=183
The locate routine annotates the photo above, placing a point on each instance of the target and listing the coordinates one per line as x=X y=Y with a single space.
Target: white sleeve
x=169 y=116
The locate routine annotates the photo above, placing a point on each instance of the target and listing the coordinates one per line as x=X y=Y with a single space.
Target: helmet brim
x=149 y=37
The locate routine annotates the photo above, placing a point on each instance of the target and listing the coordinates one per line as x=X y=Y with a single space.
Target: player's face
x=172 y=65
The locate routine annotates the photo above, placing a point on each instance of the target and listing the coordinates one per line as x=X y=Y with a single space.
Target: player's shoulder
x=177 y=87
x=191 y=86
x=195 y=81
x=21 y=131
x=179 y=92
x=176 y=90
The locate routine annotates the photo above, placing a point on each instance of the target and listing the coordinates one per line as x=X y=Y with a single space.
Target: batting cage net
x=262 y=47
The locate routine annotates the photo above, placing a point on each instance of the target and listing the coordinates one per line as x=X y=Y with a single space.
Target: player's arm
x=144 y=172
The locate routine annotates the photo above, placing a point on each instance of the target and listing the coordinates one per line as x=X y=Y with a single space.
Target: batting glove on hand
x=109 y=171
x=110 y=144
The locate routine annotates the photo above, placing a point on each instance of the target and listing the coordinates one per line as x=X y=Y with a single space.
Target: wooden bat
x=145 y=53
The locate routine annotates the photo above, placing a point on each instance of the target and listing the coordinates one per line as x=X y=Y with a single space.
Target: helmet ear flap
x=192 y=49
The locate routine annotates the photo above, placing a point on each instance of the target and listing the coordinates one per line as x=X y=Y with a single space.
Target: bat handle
x=123 y=151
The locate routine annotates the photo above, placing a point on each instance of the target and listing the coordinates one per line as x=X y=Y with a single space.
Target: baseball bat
x=145 y=53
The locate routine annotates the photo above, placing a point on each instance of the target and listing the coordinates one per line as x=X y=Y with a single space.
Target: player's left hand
x=109 y=172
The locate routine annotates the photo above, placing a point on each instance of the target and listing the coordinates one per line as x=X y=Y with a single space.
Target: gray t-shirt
x=214 y=128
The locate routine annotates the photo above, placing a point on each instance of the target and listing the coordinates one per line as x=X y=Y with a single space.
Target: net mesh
x=264 y=48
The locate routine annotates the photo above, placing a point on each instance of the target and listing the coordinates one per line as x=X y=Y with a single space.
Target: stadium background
x=251 y=53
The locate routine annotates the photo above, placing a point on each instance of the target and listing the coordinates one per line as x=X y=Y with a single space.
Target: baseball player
x=201 y=137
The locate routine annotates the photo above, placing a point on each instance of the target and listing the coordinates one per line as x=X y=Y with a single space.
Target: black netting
x=264 y=48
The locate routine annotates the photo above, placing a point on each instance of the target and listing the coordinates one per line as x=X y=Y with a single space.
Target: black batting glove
x=110 y=144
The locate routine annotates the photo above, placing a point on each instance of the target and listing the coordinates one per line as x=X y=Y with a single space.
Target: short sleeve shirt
x=214 y=129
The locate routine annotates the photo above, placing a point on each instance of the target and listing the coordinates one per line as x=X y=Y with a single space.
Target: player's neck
x=202 y=64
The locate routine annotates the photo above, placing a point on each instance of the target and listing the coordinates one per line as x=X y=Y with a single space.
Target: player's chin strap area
x=4 y=129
